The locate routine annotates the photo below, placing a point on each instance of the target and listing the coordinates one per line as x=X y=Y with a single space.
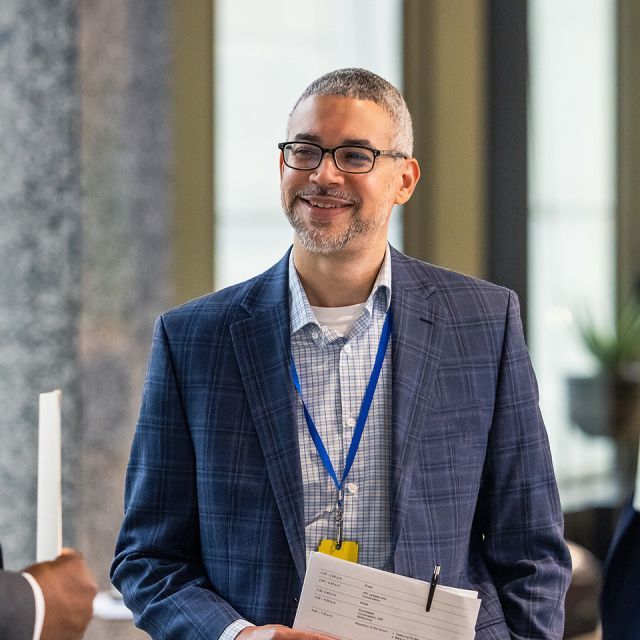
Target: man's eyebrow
x=310 y=137
x=361 y=142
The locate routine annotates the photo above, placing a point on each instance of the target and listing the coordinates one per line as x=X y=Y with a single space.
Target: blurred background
x=124 y=193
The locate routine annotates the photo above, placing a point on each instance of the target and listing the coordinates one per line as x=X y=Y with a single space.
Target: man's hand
x=68 y=588
x=278 y=632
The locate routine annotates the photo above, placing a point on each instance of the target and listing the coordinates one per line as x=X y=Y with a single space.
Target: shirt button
x=352 y=488
x=347 y=349
x=314 y=335
x=350 y=422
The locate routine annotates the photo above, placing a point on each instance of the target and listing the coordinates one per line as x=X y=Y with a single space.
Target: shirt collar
x=301 y=311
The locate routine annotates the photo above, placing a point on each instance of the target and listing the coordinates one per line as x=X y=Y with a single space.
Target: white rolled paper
x=49 y=535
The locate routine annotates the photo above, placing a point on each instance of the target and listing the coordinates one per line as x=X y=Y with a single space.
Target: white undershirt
x=39 y=599
x=340 y=319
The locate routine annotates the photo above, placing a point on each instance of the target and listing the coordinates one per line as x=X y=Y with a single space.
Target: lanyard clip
x=339 y=519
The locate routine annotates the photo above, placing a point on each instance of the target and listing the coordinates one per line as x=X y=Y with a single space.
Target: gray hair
x=361 y=84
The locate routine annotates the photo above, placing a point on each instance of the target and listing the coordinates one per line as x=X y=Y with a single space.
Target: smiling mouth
x=326 y=203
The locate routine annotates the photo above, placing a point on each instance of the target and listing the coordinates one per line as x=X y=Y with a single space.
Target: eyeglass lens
x=309 y=156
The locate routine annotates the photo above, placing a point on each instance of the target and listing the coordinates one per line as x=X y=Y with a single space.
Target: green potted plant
x=607 y=403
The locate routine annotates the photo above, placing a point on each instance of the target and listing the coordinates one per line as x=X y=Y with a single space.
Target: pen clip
x=432 y=586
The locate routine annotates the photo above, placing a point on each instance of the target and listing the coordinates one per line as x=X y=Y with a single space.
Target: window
x=571 y=219
x=263 y=63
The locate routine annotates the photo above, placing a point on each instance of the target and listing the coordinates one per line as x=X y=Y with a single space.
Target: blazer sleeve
x=17 y=607
x=620 y=596
x=157 y=566
x=519 y=516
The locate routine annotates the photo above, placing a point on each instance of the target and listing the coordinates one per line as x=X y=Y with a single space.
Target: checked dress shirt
x=334 y=371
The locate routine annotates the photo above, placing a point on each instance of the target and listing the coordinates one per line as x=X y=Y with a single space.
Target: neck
x=337 y=280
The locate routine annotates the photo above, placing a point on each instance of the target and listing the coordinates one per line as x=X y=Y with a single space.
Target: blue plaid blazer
x=213 y=527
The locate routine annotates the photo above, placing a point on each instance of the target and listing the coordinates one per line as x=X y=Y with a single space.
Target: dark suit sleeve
x=620 y=602
x=158 y=566
x=518 y=519
x=17 y=607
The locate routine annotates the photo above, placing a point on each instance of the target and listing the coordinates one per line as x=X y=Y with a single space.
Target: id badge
x=348 y=551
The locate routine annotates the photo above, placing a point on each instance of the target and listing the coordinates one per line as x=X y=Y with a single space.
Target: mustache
x=312 y=190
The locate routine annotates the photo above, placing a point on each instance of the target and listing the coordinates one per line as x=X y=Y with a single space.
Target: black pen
x=432 y=587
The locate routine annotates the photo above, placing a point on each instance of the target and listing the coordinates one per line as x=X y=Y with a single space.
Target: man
x=48 y=600
x=233 y=480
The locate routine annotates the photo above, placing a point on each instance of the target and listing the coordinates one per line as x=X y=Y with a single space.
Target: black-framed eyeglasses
x=306 y=156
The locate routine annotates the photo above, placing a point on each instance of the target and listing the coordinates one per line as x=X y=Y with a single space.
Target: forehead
x=334 y=120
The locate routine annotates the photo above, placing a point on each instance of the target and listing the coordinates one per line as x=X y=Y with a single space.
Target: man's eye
x=356 y=157
x=304 y=152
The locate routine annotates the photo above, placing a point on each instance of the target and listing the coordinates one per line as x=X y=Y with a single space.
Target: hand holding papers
x=354 y=602
x=49 y=535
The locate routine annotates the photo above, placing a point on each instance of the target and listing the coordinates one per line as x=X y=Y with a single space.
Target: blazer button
x=295 y=600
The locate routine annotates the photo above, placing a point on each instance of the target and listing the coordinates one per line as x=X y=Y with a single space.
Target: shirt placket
x=329 y=427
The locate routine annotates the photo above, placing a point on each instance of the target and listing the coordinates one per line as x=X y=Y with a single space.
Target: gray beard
x=316 y=238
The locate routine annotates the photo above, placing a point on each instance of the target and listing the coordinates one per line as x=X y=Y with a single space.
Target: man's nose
x=327 y=172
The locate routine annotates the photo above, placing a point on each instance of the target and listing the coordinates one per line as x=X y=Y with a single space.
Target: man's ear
x=281 y=164
x=410 y=176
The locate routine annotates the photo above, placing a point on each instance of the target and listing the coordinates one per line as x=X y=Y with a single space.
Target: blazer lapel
x=419 y=324
x=262 y=346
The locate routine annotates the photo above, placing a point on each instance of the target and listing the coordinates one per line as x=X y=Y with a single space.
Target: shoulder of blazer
x=231 y=304
x=461 y=294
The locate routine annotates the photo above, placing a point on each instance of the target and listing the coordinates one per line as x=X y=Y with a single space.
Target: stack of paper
x=353 y=602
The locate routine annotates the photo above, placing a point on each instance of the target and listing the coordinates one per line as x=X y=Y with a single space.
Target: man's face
x=331 y=210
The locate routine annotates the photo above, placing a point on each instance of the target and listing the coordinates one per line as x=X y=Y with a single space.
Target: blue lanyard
x=364 y=409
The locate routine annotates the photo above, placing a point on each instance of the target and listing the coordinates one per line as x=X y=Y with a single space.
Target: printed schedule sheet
x=353 y=602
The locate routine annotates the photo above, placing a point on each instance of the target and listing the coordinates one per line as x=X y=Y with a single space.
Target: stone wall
x=40 y=254
x=85 y=208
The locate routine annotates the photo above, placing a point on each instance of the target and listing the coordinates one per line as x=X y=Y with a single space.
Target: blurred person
x=620 y=599
x=255 y=394
x=47 y=600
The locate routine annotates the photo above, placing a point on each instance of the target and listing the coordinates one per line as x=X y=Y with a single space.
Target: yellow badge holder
x=347 y=551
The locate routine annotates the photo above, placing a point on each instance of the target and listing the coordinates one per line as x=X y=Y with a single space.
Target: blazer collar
x=269 y=289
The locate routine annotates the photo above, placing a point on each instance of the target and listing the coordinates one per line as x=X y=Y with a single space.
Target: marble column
x=86 y=253
x=40 y=254
x=124 y=70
